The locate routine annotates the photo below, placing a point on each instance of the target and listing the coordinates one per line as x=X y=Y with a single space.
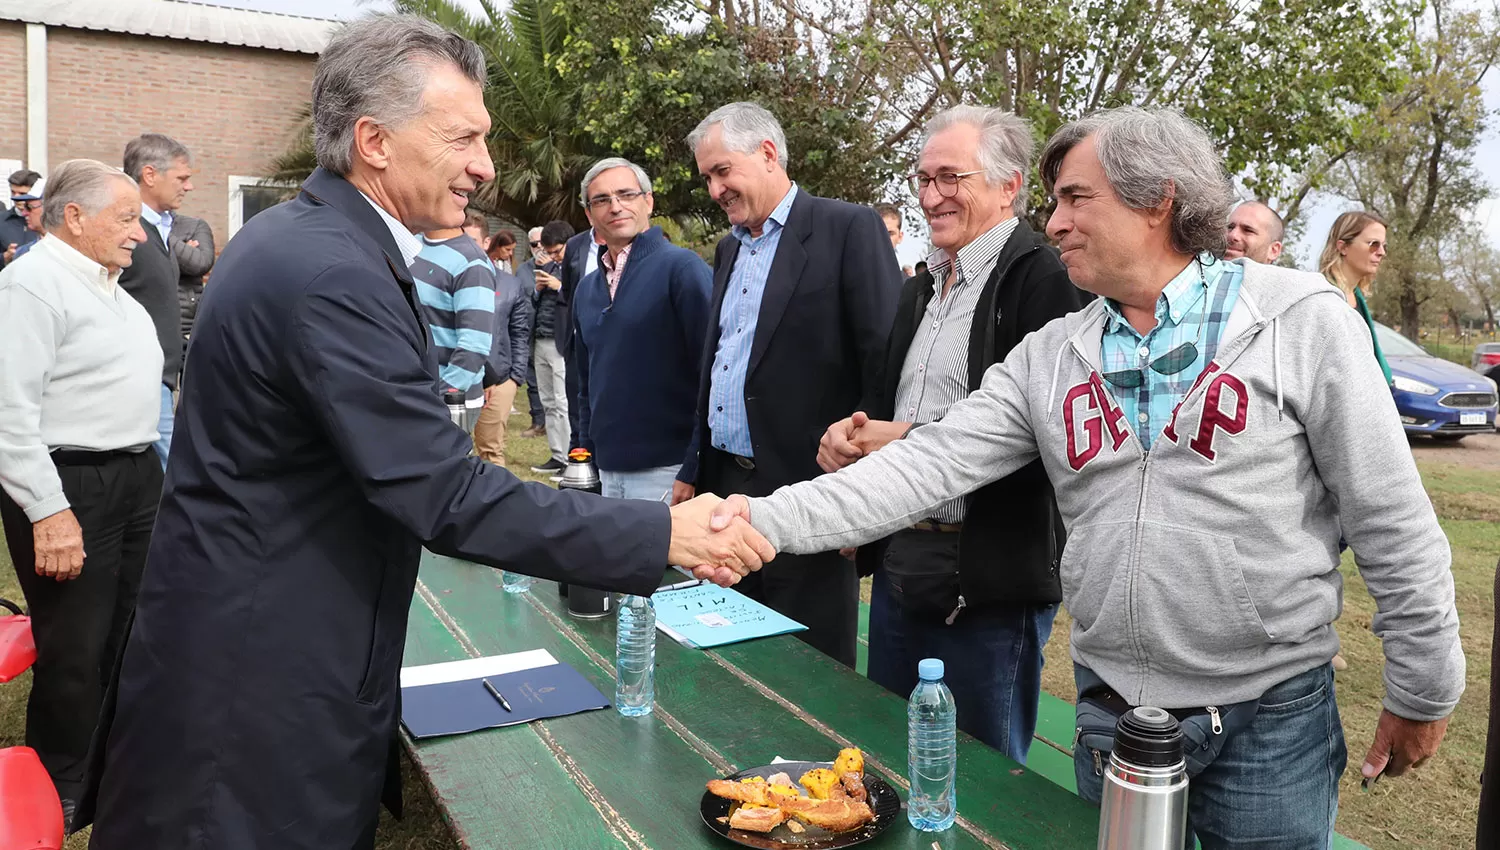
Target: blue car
x=1433 y=396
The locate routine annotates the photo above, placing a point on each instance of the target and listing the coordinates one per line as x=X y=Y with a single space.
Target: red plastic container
x=17 y=651
x=31 y=816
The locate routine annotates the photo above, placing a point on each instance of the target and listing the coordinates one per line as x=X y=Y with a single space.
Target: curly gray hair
x=1150 y=157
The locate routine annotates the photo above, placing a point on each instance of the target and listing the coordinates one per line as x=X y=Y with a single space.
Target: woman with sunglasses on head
x=1351 y=256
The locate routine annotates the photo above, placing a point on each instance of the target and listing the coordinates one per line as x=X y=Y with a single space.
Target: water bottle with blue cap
x=932 y=750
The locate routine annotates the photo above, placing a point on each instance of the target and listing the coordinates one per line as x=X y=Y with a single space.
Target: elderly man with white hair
x=639 y=322
x=1210 y=429
x=973 y=583
x=79 y=371
x=257 y=696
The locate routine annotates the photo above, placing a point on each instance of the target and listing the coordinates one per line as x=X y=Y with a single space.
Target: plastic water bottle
x=931 y=750
x=514 y=582
x=635 y=656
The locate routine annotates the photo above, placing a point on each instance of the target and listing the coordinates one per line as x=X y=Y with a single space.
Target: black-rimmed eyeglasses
x=947 y=181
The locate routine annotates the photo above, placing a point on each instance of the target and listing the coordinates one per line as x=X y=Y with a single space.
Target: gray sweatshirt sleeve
x=981 y=439
x=1362 y=455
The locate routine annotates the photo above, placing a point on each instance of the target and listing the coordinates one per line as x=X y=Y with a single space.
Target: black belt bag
x=1205 y=730
x=922 y=571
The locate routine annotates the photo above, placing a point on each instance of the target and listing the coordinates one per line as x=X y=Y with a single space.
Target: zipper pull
x=954 y=615
x=1213 y=715
x=1077 y=736
x=1098 y=764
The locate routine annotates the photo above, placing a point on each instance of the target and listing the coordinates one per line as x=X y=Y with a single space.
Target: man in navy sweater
x=639 y=325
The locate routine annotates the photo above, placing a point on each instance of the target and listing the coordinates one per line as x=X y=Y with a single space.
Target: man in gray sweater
x=1211 y=428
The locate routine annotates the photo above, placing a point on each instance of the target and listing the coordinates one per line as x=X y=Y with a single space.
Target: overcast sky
x=1320 y=217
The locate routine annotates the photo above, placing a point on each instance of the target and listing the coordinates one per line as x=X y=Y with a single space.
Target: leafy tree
x=1416 y=169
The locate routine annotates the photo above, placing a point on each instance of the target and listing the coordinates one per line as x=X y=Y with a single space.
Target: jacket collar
x=328 y=188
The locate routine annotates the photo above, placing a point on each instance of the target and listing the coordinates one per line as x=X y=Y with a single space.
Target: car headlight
x=1412 y=385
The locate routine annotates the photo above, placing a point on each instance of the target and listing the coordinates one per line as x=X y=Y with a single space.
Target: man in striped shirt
x=456 y=288
x=975 y=582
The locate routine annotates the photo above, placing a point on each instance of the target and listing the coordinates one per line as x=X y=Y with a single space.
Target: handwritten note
x=706 y=615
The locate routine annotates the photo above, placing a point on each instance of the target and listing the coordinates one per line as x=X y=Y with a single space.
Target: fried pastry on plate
x=755 y=793
x=832 y=815
x=756 y=818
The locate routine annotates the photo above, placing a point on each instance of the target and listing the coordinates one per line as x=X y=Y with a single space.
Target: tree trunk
x=1411 y=307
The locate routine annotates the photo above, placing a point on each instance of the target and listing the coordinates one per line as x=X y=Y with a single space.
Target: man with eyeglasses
x=1210 y=429
x=29 y=206
x=547 y=329
x=974 y=582
x=638 y=325
x=804 y=293
x=13 y=230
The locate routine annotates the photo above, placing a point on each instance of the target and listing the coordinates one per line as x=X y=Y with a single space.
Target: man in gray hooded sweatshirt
x=1211 y=428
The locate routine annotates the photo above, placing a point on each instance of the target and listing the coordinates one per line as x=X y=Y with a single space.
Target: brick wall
x=13 y=94
x=235 y=108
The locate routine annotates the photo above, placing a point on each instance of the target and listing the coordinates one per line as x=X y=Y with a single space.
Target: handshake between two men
x=714 y=535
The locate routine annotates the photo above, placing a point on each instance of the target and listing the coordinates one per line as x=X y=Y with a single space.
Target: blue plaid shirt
x=728 y=420
x=1193 y=308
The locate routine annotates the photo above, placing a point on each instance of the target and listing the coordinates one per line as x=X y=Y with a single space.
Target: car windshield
x=1395 y=345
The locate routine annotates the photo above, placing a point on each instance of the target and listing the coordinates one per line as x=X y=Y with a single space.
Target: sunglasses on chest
x=1173 y=361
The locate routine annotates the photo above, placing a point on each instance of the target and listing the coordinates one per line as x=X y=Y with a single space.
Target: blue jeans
x=992 y=658
x=649 y=484
x=1275 y=784
x=163 y=444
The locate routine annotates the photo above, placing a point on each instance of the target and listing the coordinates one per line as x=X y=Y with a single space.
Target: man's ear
x=371 y=143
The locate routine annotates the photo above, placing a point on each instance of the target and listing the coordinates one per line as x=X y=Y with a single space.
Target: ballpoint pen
x=496 y=694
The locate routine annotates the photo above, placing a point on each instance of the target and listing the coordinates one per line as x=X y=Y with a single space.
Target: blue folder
x=452 y=708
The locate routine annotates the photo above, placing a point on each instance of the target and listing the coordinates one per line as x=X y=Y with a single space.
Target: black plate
x=882 y=799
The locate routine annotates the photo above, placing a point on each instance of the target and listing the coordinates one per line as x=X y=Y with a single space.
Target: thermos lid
x=1149 y=737
x=452 y=397
x=930 y=669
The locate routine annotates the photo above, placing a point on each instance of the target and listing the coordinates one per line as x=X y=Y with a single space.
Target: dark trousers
x=79 y=625
x=1489 y=791
x=819 y=591
x=992 y=654
x=533 y=395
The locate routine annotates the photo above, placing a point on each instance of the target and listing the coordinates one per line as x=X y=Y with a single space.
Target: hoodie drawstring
x=1276 y=361
x=1056 y=370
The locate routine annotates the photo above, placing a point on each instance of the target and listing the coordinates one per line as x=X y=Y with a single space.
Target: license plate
x=1472 y=418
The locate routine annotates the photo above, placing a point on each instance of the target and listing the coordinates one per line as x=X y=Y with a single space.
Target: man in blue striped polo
x=456 y=288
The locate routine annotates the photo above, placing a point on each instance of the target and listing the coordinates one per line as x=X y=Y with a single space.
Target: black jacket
x=151 y=279
x=256 y=703
x=820 y=336
x=193 y=262
x=13 y=232
x=1012 y=535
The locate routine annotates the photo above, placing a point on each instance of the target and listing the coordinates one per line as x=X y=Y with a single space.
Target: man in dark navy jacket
x=639 y=321
x=257 y=702
x=804 y=294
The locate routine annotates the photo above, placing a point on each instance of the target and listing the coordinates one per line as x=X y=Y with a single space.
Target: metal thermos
x=457 y=410
x=1144 y=805
x=584 y=602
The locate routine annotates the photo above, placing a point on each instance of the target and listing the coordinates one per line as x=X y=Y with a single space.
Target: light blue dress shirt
x=728 y=420
x=162 y=221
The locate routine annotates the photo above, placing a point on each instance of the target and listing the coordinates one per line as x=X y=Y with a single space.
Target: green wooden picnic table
x=599 y=780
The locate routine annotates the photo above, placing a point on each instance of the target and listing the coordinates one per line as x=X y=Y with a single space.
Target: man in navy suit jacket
x=256 y=703
x=804 y=295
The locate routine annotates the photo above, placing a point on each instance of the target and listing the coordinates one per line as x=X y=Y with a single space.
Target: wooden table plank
x=499 y=790
x=737 y=720
x=1020 y=806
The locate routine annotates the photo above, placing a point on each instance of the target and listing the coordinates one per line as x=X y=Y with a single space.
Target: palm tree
x=539 y=150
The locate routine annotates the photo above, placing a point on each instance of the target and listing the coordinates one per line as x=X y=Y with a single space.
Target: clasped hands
x=713 y=536
x=848 y=440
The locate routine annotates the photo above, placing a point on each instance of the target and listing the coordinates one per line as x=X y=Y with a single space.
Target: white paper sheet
x=474 y=668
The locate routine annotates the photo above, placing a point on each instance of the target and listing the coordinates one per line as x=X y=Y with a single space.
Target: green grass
x=1431 y=809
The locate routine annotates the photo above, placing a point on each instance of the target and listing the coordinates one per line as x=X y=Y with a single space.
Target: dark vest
x=151 y=278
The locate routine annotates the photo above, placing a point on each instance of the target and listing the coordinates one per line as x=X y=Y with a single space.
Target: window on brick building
x=249 y=196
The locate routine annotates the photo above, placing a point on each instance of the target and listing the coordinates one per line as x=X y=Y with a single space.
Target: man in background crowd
x=526 y=273
x=549 y=298
x=13 y=231
x=163 y=168
x=505 y=371
x=456 y=288
x=29 y=206
x=1255 y=231
x=477 y=227
x=639 y=321
x=890 y=215
x=80 y=369
x=192 y=243
x=804 y=294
